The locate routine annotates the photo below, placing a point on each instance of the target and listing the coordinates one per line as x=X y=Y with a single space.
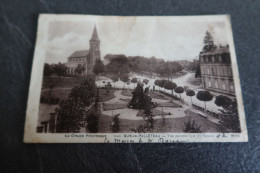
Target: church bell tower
x=94 y=47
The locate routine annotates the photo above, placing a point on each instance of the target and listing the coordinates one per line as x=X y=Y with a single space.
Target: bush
x=115 y=124
x=191 y=127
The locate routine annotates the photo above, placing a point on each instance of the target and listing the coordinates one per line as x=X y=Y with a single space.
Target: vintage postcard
x=113 y=79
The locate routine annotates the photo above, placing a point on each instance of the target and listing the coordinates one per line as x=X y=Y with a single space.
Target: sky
x=165 y=39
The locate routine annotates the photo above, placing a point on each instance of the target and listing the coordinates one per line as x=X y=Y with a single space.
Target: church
x=83 y=61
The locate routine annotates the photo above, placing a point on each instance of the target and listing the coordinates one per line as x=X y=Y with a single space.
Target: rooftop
x=220 y=50
x=79 y=53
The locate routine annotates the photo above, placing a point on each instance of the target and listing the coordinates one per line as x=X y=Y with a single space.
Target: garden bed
x=105 y=96
x=108 y=106
x=154 y=112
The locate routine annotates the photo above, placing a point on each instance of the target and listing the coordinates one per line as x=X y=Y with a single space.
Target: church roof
x=79 y=53
x=217 y=51
x=94 y=34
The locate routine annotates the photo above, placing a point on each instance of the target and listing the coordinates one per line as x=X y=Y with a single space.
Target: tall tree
x=229 y=121
x=198 y=73
x=71 y=111
x=208 y=42
x=60 y=69
x=99 y=67
x=119 y=64
x=204 y=96
x=93 y=116
x=48 y=70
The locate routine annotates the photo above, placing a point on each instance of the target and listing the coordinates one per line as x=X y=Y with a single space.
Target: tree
x=124 y=78
x=114 y=79
x=146 y=81
x=204 y=96
x=157 y=83
x=198 y=73
x=85 y=92
x=93 y=116
x=99 y=67
x=119 y=64
x=80 y=69
x=179 y=90
x=190 y=93
x=69 y=116
x=60 y=69
x=169 y=85
x=48 y=70
x=229 y=121
x=70 y=112
x=162 y=83
x=208 y=42
x=223 y=101
x=134 y=80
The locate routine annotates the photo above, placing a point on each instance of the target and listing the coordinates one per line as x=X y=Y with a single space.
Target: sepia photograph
x=126 y=79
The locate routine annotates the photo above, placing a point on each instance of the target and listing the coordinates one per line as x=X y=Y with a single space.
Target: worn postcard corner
x=113 y=79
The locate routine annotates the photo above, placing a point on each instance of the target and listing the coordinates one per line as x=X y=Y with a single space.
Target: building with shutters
x=216 y=70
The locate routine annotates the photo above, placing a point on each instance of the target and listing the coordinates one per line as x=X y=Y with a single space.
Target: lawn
x=61 y=93
x=105 y=96
x=60 y=82
x=173 y=125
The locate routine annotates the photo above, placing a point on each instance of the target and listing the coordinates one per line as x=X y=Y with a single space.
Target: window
x=213 y=59
x=219 y=58
x=208 y=71
x=209 y=84
x=232 y=87
x=230 y=69
x=224 y=86
x=216 y=84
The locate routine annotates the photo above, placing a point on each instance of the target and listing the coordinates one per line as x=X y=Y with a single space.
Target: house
x=216 y=70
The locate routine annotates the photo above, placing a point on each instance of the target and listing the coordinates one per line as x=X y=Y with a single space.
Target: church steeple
x=94 y=51
x=95 y=35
